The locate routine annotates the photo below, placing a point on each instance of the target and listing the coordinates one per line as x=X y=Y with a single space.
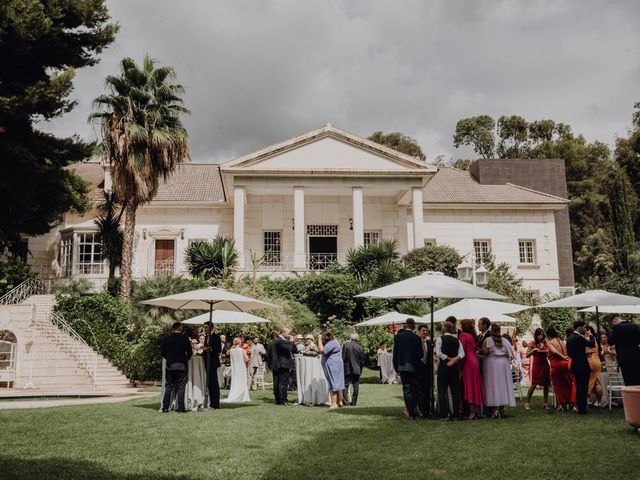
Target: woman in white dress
x=239 y=391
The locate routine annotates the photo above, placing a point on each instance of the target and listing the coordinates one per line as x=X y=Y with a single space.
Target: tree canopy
x=42 y=43
x=399 y=142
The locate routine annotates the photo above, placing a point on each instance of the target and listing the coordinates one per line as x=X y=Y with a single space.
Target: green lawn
x=260 y=440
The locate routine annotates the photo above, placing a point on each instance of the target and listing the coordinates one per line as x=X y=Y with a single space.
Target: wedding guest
x=561 y=377
x=333 y=367
x=280 y=360
x=608 y=352
x=540 y=374
x=577 y=344
x=424 y=374
x=595 y=366
x=382 y=348
x=299 y=341
x=206 y=329
x=625 y=336
x=407 y=352
x=256 y=352
x=310 y=348
x=484 y=326
x=239 y=391
x=353 y=358
x=176 y=350
x=471 y=378
x=450 y=352
x=212 y=348
x=526 y=362
x=496 y=378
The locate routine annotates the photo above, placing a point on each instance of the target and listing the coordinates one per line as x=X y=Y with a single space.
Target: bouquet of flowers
x=198 y=348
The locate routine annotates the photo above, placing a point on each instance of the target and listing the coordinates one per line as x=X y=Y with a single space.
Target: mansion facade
x=303 y=203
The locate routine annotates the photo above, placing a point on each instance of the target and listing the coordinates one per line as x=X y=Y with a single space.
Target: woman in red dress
x=540 y=372
x=561 y=377
x=471 y=378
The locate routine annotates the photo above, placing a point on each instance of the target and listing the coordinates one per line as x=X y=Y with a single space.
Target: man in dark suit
x=407 y=352
x=353 y=358
x=177 y=351
x=280 y=361
x=424 y=376
x=212 y=348
x=577 y=345
x=626 y=338
x=450 y=352
x=205 y=352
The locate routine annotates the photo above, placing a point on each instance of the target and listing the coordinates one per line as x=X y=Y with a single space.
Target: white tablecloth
x=389 y=375
x=195 y=390
x=313 y=388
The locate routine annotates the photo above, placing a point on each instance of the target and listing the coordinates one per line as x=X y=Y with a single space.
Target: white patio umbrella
x=431 y=285
x=476 y=308
x=220 y=317
x=388 y=318
x=593 y=298
x=212 y=298
x=631 y=309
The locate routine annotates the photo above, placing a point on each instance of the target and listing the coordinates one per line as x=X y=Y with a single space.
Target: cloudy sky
x=258 y=72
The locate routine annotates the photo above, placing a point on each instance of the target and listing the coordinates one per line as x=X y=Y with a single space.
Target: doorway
x=322 y=246
x=164 y=258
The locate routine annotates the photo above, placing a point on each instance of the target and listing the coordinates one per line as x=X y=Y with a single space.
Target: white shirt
x=441 y=355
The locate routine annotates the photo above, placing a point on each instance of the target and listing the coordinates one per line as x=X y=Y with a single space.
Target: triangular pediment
x=327 y=150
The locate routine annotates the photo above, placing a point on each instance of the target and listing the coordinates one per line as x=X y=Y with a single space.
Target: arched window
x=8 y=353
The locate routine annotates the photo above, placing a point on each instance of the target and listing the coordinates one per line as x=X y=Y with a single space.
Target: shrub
x=330 y=295
x=143 y=361
x=293 y=288
x=12 y=273
x=214 y=261
x=371 y=338
x=433 y=258
x=558 y=318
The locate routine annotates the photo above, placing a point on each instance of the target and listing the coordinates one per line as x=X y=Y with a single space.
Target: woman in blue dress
x=333 y=367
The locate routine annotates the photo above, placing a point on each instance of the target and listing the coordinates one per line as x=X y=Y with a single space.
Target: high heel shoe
x=527 y=406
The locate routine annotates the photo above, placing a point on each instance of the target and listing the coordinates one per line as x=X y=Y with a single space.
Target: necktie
x=425 y=351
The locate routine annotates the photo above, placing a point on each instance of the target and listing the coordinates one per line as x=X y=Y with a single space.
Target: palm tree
x=214 y=261
x=109 y=232
x=142 y=138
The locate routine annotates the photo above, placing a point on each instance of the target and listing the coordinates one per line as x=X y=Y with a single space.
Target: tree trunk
x=127 y=250
x=112 y=270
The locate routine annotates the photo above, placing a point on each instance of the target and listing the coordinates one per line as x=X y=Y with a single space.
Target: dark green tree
x=109 y=232
x=42 y=43
x=621 y=221
x=399 y=142
x=477 y=132
x=513 y=137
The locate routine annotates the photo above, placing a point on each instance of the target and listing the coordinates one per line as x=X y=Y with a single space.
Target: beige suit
x=257 y=350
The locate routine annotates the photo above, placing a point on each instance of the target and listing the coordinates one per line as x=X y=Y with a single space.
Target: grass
x=260 y=440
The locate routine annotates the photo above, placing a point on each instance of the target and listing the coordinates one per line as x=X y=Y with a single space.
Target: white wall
x=458 y=228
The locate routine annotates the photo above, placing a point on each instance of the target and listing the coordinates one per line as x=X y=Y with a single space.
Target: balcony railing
x=164 y=268
x=321 y=261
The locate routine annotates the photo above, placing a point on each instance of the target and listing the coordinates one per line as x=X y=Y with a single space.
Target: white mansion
x=306 y=201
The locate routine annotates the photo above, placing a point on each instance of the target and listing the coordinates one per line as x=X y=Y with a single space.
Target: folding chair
x=614 y=389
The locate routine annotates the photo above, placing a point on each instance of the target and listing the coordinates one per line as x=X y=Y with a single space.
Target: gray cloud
x=263 y=71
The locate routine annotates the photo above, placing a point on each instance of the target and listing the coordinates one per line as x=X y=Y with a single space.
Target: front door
x=165 y=259
x=322 y=243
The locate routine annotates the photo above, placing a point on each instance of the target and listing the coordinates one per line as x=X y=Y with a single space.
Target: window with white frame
x=482 y=248
x=66 y=255
x=89 y=254
x=527 y=250
x=429 y=242
x=532 y=295
x=272 y=248
x=371 y=237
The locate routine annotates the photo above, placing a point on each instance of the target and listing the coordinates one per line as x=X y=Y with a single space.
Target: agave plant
x=214 y=261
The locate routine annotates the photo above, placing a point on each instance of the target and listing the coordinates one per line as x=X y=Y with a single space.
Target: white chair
x=260 y=377
x=517 y=385
x=614 y=389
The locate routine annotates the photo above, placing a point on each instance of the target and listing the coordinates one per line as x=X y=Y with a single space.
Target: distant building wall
x=543 y=175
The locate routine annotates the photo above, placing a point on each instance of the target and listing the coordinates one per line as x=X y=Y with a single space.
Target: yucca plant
x=214 y=261
x=109 y=232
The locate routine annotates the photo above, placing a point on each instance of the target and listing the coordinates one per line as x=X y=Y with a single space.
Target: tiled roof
x=191 y=182
x=451 y=185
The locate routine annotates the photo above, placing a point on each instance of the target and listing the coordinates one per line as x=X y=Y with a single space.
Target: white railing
x=23 y=291
x=164 y=268
x=55 y=327
x=321 y=261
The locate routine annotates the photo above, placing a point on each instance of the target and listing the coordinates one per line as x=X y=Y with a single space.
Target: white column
x=418 y=218
x=358 y=218
x=238 y=223
x=299 y=258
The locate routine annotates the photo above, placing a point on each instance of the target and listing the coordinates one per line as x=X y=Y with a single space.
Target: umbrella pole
x=597 y=322
x=432 y=399
x=211 y=312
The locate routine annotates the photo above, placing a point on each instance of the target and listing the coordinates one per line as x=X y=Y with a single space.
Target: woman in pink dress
x=471 y=378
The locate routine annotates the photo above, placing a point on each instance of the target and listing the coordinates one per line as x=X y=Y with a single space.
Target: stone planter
x=631 y=402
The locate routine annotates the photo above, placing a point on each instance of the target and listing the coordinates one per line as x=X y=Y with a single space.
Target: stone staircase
x=62 y=359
